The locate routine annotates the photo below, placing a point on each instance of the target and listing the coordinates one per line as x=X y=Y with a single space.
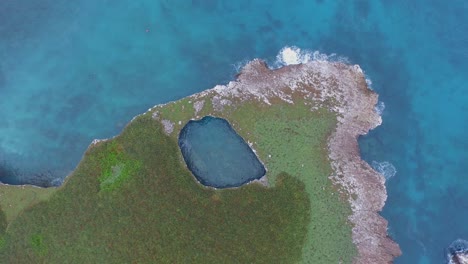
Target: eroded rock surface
x=458 y=252
x=343 y=89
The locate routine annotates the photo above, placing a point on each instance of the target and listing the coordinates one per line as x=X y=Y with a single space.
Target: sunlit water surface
x=74 y=71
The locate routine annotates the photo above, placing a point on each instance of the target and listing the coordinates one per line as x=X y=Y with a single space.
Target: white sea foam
x=239 y=65
x=291 y=55
x=385 y=168
x=369 y=82
x=460 y=248
x=380 y=107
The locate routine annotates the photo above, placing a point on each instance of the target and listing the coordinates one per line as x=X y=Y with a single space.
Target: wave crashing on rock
x=458 y=252
x=385 y=168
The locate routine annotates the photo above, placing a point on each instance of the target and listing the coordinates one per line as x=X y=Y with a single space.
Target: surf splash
x=369 y=83
x=385 y=168
x=292 y=55
x=380 y=107
x=458 y=252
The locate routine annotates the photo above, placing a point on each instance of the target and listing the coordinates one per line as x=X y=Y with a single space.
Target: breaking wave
x=380 y=107
x=457 y=250
x=291 y=55
x=385 y=168
x=369 y=82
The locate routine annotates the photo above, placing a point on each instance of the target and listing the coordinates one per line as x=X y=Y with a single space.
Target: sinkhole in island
x=216 y=155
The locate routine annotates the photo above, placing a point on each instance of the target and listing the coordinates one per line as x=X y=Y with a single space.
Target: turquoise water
x=216 y=155
x=73 y=72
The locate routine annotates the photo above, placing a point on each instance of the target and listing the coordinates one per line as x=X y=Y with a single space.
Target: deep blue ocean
x=72 y=71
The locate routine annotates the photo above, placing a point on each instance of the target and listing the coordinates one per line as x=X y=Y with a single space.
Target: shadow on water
x=10 y=174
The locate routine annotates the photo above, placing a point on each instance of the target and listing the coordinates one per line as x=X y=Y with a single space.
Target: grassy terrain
x=14 y=199
x=289 y=141
x=132 y=199
x=292 y=139
x=159 y=214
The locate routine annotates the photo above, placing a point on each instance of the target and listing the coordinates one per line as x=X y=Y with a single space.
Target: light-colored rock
x=343 y=89
x=168 y=126
x=323 y=82
x=198 y=106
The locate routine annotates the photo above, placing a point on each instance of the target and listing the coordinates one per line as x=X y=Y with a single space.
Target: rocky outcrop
x=459 y=258
x=458 y=252
x=341 y=88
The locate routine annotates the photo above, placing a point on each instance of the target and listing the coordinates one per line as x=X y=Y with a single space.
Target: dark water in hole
x=217 y=155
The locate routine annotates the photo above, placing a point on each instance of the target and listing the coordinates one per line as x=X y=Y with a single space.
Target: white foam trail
x=291 y=55
x=239 y=65
x=380 y=107
x=385 y=168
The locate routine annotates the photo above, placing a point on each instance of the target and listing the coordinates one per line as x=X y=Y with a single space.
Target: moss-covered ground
x=132 y=199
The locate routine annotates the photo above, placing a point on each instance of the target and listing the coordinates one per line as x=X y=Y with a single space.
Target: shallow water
x=73 y=72
x=216 y=155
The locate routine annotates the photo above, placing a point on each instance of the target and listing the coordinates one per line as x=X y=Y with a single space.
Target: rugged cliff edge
x=343 y=89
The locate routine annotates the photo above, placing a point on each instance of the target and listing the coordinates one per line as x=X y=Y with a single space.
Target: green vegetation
x=292 y=139
x=38 y=245
x=14 y=199
x=116 y=167
x=159 y=215
x=132 y=199
x=3 y=226
x=296 y=143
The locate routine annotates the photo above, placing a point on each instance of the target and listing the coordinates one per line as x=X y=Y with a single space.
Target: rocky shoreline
x=341 y=88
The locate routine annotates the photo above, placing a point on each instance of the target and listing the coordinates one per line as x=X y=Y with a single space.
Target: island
x=133 y=198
